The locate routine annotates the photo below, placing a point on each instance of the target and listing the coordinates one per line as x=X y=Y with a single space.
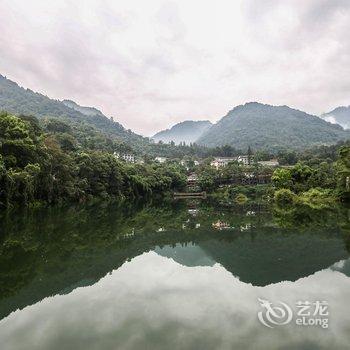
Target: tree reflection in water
x=53 y=251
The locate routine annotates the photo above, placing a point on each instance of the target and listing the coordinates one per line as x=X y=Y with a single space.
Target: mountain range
x=188 y=131
x=18 y=100
x=339 y=115
x=258 y=125
x=263 y=126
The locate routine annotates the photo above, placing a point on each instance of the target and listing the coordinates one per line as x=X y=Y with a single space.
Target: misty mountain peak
x=187 y=131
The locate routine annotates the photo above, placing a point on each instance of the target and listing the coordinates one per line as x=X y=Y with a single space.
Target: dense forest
x=56 y=162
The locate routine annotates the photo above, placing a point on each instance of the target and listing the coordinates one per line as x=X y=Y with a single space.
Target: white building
x=128 y=157
x=192 y=177
x=269 y=163
x=160 y=159
x=244 y=159
x=222 y=162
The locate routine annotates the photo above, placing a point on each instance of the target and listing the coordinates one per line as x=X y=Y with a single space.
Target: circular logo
x=272 y=316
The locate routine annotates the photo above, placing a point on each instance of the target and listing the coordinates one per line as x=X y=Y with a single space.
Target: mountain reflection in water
x=53 y=252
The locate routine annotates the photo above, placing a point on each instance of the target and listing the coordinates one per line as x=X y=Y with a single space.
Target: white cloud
x=153 y=63
x=330 y=119
x=153 y=302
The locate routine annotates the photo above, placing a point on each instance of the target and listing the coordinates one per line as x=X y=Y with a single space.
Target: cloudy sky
x=153 y=63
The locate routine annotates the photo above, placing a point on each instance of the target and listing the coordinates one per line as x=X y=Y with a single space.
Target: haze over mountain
x=339 y=115
x=263 y=126
x=188 y=131
x=81 y=109
x=18 y=100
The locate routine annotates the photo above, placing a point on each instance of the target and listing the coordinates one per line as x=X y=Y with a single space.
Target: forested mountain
x=263 y=126
x=253 y=124
x=17 y=100
x=339 y=115
x=89 y=127
x=188 y=131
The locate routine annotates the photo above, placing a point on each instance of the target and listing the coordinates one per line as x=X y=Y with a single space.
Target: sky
x=151 y=64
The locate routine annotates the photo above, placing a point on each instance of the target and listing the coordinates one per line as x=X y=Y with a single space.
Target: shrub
x=284 y=196
x=317 y=198
x=241 y=198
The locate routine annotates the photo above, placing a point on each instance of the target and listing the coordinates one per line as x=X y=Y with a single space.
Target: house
x=220 y=225
x=192 y=178
x=128 y=157
x=220 y=162
x=160 y=159
x=244 y=159
x=269 y=163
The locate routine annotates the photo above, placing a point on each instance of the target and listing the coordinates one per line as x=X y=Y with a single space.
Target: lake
x=175 y=275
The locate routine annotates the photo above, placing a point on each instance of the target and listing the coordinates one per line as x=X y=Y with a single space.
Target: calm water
x=180 y=275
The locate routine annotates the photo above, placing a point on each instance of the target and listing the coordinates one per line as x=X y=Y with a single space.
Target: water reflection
x=160 y=277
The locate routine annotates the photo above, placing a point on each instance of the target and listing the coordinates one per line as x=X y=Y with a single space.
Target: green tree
x=343 y=173
x=282 y=178
x=284 y=197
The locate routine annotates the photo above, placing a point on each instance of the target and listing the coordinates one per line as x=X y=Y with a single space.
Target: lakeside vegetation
x=55 y=163
x=317 y=178
x=51 y=161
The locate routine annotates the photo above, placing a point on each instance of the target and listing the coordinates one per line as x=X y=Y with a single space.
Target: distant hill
x=188 y=131
x=340 y=115
x=17 y=100
x=84 y=110
x=263 y=126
